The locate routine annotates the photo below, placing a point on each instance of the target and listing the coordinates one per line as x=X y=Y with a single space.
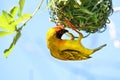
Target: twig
x=112 y=30
x=18 y=34
x=35 y=12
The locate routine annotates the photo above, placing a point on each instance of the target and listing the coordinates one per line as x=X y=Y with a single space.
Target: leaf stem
x=18 y=32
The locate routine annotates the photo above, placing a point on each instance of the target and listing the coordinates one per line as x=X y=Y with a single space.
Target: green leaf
x=9 y=50
x=21 y=6
x=22 y=19
x=86 y=11
x=3 y=33
x=13 y=11
x=6 y=20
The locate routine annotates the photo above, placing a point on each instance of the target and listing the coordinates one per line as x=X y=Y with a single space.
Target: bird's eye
x=60 y=33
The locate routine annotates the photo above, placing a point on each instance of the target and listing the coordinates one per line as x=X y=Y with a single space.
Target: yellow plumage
x=64 y=49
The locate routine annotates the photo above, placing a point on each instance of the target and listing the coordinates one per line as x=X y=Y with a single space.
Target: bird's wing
x=69 y=54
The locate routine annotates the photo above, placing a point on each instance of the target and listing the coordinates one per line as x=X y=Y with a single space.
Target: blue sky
x=31 y=59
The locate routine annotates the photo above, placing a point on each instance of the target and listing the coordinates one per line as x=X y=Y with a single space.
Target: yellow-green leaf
x=22 y=19
x=9 y=50
x=51 y=2
x=21 y=6
x=13 y=11
x=3 y=33
x=4 y=23
x=8 y=17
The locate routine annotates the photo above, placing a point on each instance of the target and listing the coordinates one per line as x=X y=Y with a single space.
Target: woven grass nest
x=87 y=15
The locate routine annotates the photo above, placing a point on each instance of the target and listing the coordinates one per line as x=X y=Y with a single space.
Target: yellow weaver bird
x=65 y=49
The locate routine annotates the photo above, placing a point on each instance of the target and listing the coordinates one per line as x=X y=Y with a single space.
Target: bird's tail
x=99 y=47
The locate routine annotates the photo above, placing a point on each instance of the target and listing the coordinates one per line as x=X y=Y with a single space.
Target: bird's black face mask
x=60 y=33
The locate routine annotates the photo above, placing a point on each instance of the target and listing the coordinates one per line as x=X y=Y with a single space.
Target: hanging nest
x=87 y=15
